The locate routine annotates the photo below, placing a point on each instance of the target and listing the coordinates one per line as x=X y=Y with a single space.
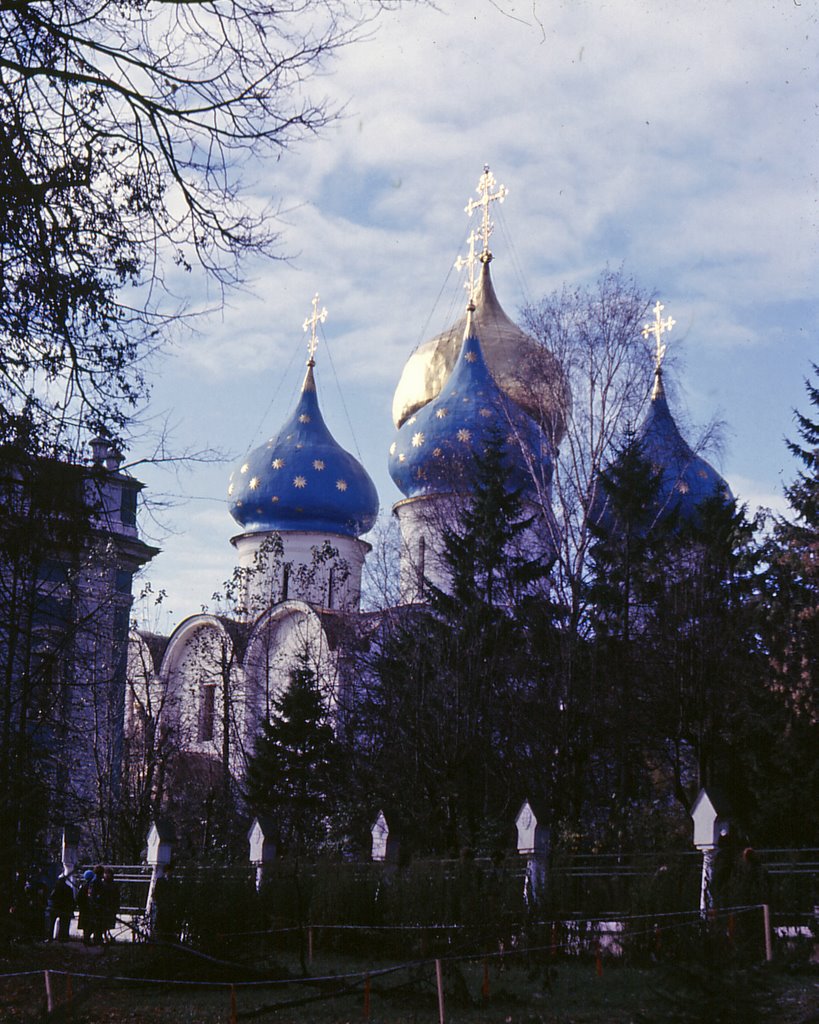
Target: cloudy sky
x=679 y=140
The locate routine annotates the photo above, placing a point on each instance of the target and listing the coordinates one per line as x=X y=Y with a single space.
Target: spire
x=658 y=328
x=311 y=323
x=486 y=182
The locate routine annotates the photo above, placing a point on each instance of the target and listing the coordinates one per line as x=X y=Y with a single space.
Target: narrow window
x=207 y=714
x=421 y=566
x=330 y=588
x=285 y=581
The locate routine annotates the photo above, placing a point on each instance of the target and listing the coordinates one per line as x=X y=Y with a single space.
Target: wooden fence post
x=766 y=923
x=439 y=978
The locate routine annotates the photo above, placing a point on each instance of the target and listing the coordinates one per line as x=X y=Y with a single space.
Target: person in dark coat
x=108 y=897
x=166 y=907
x=61 y=903
x=85 y=906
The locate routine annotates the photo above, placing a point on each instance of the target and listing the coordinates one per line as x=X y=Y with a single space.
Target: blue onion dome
x=302 y=479
x=687 y=479
x=434 y=450
x=506 y=349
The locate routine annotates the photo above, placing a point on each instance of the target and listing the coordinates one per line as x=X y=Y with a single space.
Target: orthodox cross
x=658 y=328
x=311 y=323
x=485 y=184
x=470 y=261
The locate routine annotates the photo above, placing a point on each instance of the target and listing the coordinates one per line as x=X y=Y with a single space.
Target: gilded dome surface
x=302 y=479
x=435 y=448
x=510 y=354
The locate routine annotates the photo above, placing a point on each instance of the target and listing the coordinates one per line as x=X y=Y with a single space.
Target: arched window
x=207 y=712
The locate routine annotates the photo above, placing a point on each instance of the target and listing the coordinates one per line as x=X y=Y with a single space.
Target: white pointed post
x=262 y=846
x=710 y=813
x=161 y=838
x=70 y=849
x=533 y=843
x=380 y=832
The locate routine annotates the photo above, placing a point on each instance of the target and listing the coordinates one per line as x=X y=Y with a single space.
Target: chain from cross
x=310 y=324
x=485 y=184
x=658 y=328
x=470 y=261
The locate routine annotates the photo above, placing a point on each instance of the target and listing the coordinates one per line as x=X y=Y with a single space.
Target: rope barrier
x=570 y=945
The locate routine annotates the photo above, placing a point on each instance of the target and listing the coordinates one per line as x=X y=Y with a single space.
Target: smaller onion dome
x=434 y=450
x=302 y=479
x=686 y=479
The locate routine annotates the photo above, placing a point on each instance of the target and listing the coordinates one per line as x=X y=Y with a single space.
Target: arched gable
x=280 y=639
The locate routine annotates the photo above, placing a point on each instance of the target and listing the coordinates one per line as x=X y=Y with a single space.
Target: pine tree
x=296 y=773
x=458 y=724
x=794 y=575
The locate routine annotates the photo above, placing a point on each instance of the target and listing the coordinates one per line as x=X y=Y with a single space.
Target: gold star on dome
x=411 y=420
x=682 y=487
x=392 y=448
x=254 y=483
x=244 y=468
x=277 y=463
x=418 y=439
x=341 y=485
x=230 y=489
x=311 y=323
x=304 y=418
x=318 y=464
x=437 y=453
x=299 y=481
x=470 y=357
x=486 y=183
x=299 y=446
x=486 y=413
x=275 y=498
x=464 y=435
x=402 y=457
x=441 y=413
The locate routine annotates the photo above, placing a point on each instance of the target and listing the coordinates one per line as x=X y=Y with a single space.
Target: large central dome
x=507 y=350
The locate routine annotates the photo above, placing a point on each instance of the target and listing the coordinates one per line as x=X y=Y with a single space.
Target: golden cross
x=658 y=328
x=485 y=185
x=470 y=261
x=310 y=324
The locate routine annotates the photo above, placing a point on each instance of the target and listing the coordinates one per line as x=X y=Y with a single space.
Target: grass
x=520 y=990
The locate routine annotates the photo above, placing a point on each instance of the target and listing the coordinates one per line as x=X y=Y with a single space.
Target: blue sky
x=679 y=140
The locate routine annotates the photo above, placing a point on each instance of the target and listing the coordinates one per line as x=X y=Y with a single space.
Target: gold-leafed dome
x=524 y=370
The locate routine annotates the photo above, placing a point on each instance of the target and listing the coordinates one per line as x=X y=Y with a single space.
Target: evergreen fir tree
x=459 y=724
x=296 y=773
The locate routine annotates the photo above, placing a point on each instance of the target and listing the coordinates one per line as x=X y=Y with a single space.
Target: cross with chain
x=485 y=185
x=469 y=261
x=311 y=323
x=658 y=328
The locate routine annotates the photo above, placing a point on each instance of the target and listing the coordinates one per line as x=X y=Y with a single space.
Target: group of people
x=96 y=897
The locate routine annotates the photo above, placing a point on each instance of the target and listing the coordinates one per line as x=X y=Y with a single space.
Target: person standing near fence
x=165 y=907
x=108 y=904
x=61 y=904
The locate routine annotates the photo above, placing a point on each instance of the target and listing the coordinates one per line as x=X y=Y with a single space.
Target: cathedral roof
x=507 y=349
x=687 y=479
x=302 y=479
x=434 y=449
